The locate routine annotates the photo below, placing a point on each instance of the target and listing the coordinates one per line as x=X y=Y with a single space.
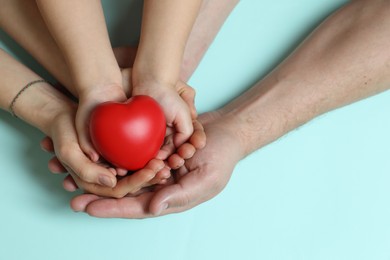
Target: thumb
x=188 y=95
x=169 y=200
x=191 y=190
x=183 y=126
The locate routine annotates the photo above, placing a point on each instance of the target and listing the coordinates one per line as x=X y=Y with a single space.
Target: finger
x=186 y=151
x=82 y=127
x=47 y=145
x=128 y=185
x=85 y=169
x=162 y=175
x=198 y=138
x=189 y=192
x=80 y=203
x=187 y=93
x=184 y=128
x=136 y=181
x=167 y=149
x=55 y=166
x=169 y=131
x=69 y=184
x=121 y=172
x=175 y=161
x=127 y=207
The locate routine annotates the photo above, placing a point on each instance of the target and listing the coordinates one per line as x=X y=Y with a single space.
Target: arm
x=79 y=29
x=47 y=109
x=34 y=100
x=23 y=22
x=166 y=26
x=211 y=17
x=327 y=71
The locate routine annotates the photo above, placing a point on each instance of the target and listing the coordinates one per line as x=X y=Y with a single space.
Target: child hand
x=88 y=100
x=177 y=112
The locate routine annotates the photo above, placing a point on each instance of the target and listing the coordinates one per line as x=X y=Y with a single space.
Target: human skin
x=79 y=29
x=23 y=22
x=47 y=109
x=345 y=60
x=166 y=26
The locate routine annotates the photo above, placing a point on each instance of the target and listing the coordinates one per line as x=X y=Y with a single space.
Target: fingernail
x=163 y=207
x=106 y=181
x=113 y=171
x=94 y=157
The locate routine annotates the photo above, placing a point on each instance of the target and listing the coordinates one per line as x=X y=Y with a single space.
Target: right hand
x=88 y=100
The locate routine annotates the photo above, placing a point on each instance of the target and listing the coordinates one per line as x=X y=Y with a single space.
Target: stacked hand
x=202 y=177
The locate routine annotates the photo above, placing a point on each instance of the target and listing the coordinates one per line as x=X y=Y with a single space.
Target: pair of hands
x=178 y=105
x=201 y=178
x=71 y=157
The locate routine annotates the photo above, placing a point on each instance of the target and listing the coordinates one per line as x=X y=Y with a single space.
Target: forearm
x=23 y=22
x=79 y=29
x=346 y=59
x=39 y=104
x=209 y=21
x=166 y=26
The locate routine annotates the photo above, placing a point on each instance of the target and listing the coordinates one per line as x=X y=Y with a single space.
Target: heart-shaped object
x=129 y=134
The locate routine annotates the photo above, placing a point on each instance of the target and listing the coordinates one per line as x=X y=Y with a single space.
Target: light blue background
x=321 y=192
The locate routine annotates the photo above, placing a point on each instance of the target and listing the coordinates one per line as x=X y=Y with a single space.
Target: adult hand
x=156 y=172
x=200 y=179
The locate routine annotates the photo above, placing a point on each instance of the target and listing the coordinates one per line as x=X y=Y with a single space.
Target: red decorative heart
x=129 y=134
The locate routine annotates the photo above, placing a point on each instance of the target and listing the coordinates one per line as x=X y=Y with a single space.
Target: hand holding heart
x=130 y=185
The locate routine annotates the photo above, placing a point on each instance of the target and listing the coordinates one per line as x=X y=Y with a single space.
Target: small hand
x=178 y=112
x=88 y=100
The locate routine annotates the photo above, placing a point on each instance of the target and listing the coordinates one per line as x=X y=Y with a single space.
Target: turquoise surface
x=321 y=192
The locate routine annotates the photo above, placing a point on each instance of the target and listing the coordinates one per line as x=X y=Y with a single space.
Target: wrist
x=103 y=93
x=146 y=74
x=262 y=117
x=40 y=105
x=149 y=86
x=98 y=81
